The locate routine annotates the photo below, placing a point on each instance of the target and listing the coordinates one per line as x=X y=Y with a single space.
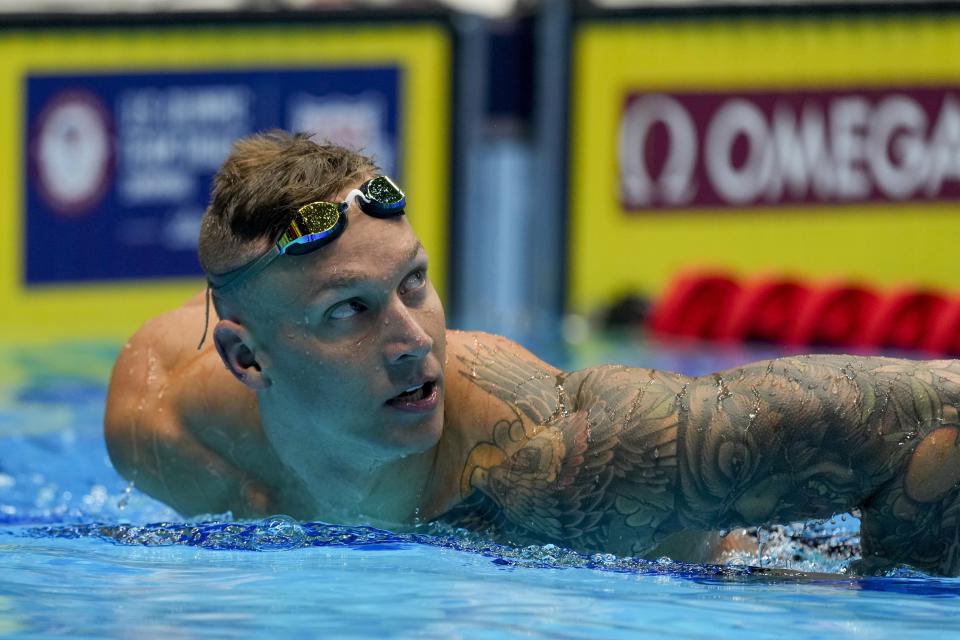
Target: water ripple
x=281 y=533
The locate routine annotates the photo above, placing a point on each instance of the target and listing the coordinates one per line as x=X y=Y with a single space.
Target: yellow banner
x=35 y=305
x=802 y=146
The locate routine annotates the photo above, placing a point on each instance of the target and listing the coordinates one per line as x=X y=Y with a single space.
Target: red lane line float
x=904 y=320
x=787 y=311
x=765 y=311
x=834 y=315
x=695 y=305
x=943 y=336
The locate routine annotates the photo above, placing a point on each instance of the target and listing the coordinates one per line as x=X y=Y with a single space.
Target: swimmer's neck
x=391 y=494
x=349 y=485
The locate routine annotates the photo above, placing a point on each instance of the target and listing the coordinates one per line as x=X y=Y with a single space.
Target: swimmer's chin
x=420 y=436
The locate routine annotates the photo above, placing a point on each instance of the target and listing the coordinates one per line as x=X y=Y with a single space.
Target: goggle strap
x=369 y=206
x=206 y=319
x=250 y=269
x=356 y=193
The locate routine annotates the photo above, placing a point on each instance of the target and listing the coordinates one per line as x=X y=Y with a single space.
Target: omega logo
x=769 y=148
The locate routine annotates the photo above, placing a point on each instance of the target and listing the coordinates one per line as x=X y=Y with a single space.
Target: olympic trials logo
x=72 y=152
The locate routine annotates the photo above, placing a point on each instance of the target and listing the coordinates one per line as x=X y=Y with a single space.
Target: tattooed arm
x=618 y=459
x=808 y=437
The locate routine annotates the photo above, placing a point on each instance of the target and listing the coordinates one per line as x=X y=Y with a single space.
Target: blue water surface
x=83 y=555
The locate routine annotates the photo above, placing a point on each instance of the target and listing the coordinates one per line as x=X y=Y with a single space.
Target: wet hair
x=260 y=186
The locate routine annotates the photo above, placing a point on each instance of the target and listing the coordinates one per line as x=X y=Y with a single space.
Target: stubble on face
x=331 y=378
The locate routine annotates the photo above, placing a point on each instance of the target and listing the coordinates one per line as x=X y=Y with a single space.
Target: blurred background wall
x=562 y=159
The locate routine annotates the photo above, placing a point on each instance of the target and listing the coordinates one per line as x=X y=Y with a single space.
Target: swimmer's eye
x=414 y=281
x=346 y=309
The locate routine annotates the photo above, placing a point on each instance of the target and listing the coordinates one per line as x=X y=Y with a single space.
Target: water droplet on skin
x=756 y=407
x=722 y=393
x=125 y=498
x=562 y=410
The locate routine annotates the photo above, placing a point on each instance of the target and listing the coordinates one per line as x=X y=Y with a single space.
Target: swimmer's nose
x=406 y=337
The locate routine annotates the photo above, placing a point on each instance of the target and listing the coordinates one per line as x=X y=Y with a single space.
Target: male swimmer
x=330 y=389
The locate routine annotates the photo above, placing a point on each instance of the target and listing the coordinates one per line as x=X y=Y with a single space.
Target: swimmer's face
x=350 y=341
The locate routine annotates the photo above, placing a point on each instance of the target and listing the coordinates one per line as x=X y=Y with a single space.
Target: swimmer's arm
x=151 y=443
x=807 y=437
x=619 y=459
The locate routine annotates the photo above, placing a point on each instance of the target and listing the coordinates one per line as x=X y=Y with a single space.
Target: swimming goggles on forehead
x=319 y=223
x=314 y=225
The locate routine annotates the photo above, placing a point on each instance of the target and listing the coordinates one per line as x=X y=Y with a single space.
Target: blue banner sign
x=119 y=165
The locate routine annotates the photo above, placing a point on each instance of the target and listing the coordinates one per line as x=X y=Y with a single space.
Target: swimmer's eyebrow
x=348 y=279
x=414 y=252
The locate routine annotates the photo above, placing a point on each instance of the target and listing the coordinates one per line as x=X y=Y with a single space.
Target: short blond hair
x=260 y=186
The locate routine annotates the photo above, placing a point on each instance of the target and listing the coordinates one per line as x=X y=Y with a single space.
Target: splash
x=281 y=533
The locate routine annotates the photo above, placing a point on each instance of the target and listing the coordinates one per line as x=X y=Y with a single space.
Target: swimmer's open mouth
x=420 y=396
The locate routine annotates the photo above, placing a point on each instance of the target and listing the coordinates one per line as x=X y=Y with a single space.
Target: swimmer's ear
x=232 y=341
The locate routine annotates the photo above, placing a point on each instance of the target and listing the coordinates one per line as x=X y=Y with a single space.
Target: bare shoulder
x=470 y=342
x=172 y=413
x=467 y=350
x=491 y=382
x=541 y=463
x=144 y=367
x=487 y=373
x=485 y=369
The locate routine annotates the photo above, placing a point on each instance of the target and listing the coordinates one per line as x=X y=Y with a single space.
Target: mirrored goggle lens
x=384 y=197
x=315 y=224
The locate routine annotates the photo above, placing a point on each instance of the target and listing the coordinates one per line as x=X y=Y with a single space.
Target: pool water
x=82 y=554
